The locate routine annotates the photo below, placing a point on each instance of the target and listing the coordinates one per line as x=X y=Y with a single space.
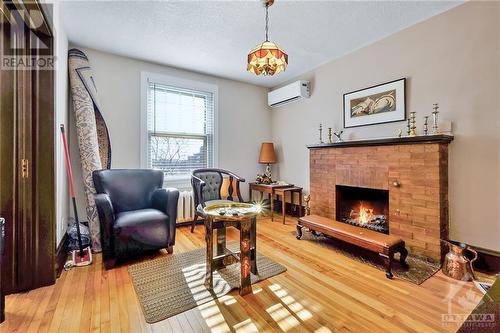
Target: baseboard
x=188 y=223
x=61 y=254
x=486 y=251
x=488 y=261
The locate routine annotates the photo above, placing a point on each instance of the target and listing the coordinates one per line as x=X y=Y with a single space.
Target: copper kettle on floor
x=456 y=265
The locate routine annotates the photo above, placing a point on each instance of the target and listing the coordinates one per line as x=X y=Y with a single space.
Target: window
x=180 y=128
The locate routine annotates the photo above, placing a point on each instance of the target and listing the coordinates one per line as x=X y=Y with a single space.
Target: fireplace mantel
x=440 y=138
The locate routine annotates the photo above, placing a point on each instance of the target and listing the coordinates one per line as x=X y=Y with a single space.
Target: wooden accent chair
x=208 y=190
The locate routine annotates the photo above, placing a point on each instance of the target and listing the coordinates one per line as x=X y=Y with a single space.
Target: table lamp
x=267 y=156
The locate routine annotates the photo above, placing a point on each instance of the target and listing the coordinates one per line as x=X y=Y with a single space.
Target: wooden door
x=26 y=152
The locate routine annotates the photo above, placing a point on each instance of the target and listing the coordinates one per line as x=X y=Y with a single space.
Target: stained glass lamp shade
x=267 y=59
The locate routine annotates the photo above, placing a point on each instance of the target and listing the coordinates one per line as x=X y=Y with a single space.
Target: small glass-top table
x=244 y=217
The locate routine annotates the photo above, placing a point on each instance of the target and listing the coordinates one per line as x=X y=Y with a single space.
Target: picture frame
x=379 y=104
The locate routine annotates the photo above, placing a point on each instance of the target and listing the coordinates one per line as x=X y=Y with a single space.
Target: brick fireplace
x=412 y=171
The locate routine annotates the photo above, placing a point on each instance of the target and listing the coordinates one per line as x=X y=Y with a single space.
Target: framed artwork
x=383 y=103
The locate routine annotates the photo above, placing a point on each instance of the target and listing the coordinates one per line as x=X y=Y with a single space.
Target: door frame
x=27 y=197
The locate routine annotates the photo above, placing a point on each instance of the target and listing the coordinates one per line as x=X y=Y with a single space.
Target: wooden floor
x=322 y=291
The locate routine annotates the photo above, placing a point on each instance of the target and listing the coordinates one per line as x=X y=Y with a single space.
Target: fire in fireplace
x=363 y=207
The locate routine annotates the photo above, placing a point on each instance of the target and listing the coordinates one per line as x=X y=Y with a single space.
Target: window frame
x=173 y=81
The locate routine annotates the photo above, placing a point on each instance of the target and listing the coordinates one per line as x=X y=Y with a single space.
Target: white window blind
x=180 y=130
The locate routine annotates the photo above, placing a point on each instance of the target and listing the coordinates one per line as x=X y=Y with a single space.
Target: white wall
x=244 y=119
x=61 y=117
x=452 y=59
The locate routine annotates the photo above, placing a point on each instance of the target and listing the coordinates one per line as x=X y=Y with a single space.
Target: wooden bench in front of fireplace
x=385 y=245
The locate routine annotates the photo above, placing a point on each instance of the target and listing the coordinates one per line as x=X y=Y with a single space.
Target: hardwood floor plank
x=88 y=300
x=104 y=322
x=41 y=309
x=122 y=305
x=193 y=316
x=65 y=297
x=34 y=297
x=95 y=316
x=184 y=323
x=114 y=302
x=173 y=323
x=130 y=302
x=73 y=314
x=53 y=304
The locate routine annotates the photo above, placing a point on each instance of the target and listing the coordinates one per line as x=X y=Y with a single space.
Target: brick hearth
x=415 y=172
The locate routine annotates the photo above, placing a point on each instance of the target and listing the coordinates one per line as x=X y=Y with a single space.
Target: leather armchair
x=207 y=186
x=136 y=213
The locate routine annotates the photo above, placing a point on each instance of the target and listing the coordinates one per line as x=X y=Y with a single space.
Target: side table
x=239 y=215
x=282 y=192
x=264 y=188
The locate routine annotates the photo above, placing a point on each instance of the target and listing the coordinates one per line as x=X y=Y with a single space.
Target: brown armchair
x=208 y=189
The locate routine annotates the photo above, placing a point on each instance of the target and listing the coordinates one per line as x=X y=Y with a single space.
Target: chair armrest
x=198 y=185
x=107 y=219
x=235 y=176
x=165 y=200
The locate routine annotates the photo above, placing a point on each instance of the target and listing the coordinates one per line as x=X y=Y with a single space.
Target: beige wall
x=244 y=120
x=452 y=59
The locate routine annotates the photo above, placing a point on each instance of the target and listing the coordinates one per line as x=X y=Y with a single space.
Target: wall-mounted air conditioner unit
x=289 y=93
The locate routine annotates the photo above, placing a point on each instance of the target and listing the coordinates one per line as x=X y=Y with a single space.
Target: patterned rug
x=173 y=284
x=419 y=269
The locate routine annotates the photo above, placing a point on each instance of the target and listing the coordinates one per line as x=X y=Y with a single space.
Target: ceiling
x=214 y=37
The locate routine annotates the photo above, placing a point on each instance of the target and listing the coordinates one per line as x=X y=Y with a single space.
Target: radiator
x=185 y=207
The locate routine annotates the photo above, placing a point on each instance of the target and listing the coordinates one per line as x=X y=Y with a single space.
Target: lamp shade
x=267 y=155
x=267 y=59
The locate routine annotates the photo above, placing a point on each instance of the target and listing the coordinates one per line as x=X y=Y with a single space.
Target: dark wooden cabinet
x=27 y=171
x=2 y=295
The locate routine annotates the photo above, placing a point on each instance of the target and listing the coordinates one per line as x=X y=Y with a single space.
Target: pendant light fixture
x=267 y=58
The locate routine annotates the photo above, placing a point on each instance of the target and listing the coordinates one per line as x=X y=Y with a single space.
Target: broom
x=82 y=256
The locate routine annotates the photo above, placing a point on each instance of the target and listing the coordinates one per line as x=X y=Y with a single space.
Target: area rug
x=173 y=284
x=93 y=138
x=419 y=269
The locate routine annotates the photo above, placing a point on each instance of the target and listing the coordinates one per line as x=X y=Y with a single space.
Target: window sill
x=182 y=184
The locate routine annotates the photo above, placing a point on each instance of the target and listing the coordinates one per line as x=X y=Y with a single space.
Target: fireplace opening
x=363 y=207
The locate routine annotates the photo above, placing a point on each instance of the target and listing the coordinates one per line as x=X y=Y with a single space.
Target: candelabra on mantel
x=412 y=124
x=426 y=125
x=330 y=135
x=321 y=133
x=435 y=128
x=339 y=135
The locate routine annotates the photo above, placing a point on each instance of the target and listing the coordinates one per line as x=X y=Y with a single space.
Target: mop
x=82 y=256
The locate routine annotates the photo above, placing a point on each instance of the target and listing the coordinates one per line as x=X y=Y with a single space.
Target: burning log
x=365 y=217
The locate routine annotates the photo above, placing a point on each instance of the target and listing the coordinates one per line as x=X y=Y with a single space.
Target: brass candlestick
x=320 y=133
x=413 y=124
x=330 y=139
x=426 y=127
x=307 y=199
x=435 y=129
x=408 y=127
